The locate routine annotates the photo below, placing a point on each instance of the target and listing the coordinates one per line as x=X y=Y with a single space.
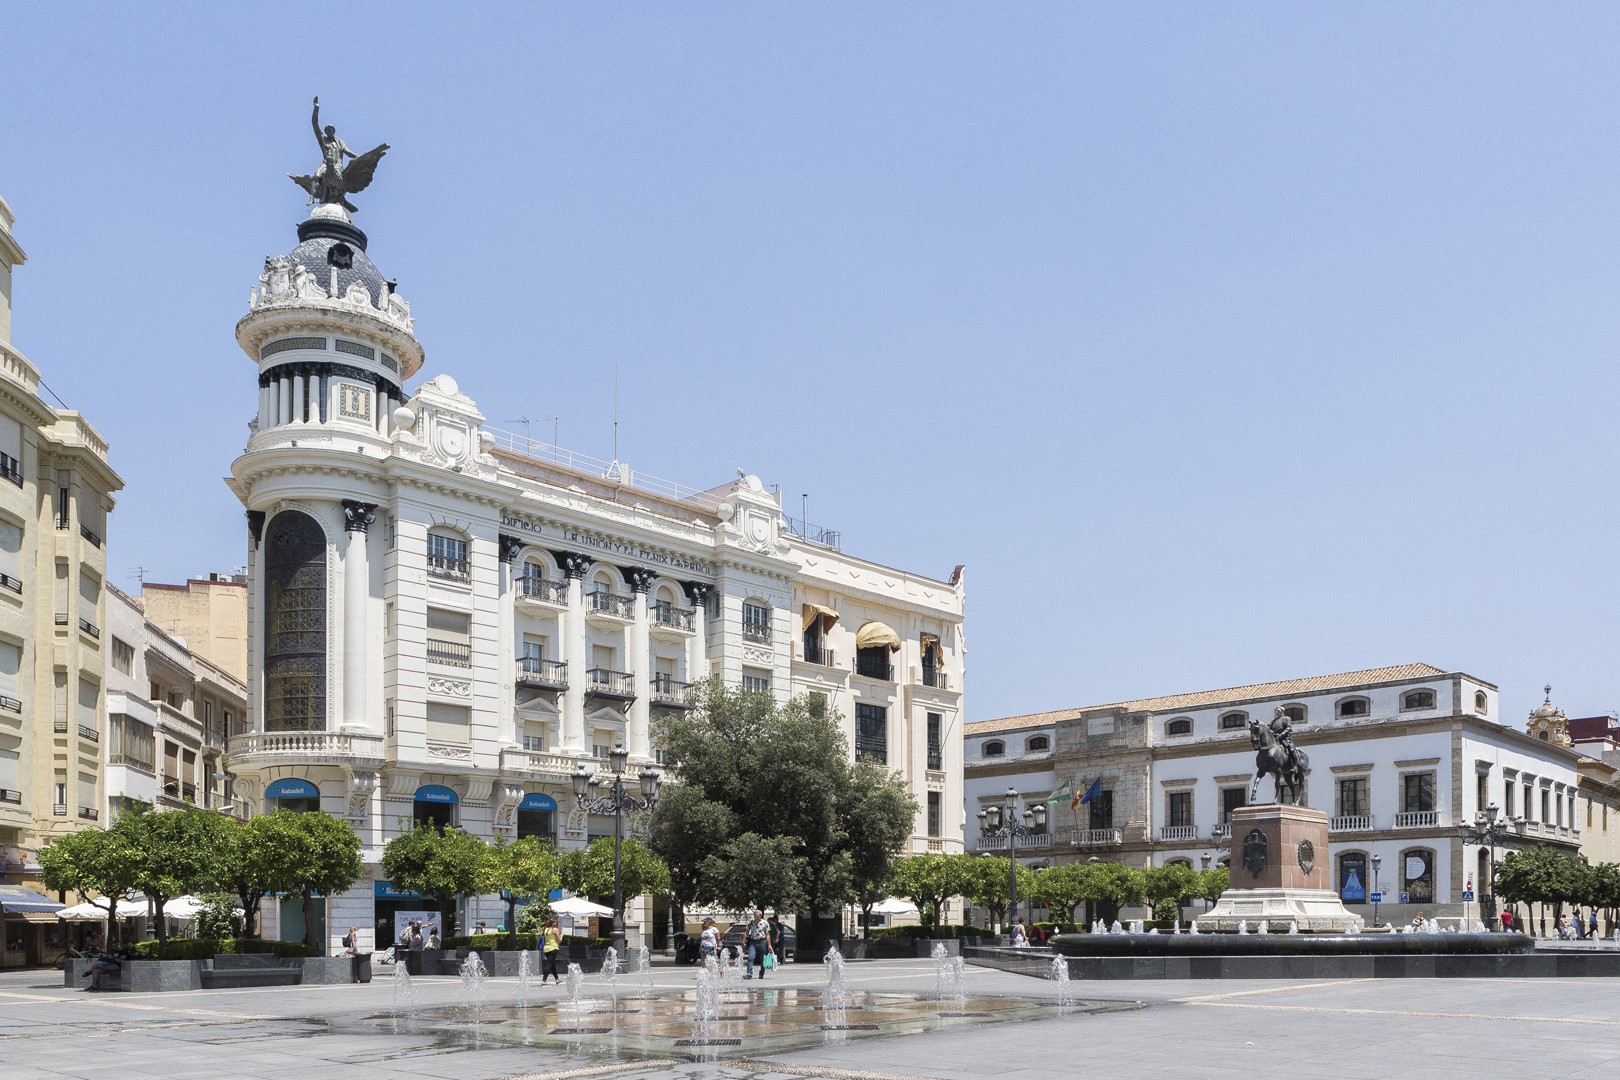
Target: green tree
x=877 y=824
x=258 y=864
x=176 y=852
x=325 y=860
x=747 y=764
x=1167 y=888
x=589 y=871
x=521 y=869
x=1113 y=885
x=1063 y=888
x=987 y=883
x=1213 y=882
x=442 y=865
x=753 y=871
x=97 y=864
x=928 y=881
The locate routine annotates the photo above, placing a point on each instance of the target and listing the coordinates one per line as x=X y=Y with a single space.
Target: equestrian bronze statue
x=1276 y=754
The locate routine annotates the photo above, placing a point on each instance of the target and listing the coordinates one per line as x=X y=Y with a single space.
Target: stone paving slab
x=1421 y=1029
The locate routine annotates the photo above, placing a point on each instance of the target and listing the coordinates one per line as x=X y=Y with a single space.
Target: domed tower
x=331 y=339
x=1548 y=723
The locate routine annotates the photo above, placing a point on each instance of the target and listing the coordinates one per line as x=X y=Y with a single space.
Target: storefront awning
x=827 y=615
x=437 y=793
x=17 y=900
x=877 y=635
x=292 y=788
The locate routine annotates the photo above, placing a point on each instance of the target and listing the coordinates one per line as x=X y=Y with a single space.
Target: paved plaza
x=1418 y=1029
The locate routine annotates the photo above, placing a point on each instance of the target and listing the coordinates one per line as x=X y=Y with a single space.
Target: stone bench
x=231 y=971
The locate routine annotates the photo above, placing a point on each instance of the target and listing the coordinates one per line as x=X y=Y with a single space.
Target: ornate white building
x=446 y=623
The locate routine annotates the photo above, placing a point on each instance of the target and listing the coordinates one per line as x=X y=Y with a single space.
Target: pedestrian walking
x=550 y=951
x=708 y=940
x=758 y=939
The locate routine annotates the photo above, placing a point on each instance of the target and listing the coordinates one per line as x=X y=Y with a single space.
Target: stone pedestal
x=1281 y=873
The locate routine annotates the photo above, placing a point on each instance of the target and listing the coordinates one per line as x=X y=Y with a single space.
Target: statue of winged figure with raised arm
x=334 y=182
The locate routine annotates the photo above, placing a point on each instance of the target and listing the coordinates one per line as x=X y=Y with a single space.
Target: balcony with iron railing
x=611 y=604
x=1350 y=823
x=11 y=795
x=666 y=616
x=757 y=633
x=936 y=756
x=1039 y=841
x=533 y=673
x=935 y=677
x=10 y=704
x=1417 y=819
x=131 y=761
x=544 y=590
x=88 y=733
x=449 y=568
x=90 y=629
x=59 y=726
x=872 y=668
x=872 y=748
x=10 y=469
x=819 y=655
x=815 y=534
x=604 y=683
x=1178 y=832
x=11 y=584
x=59 y=809
x=91 y=535
x=1091 y=837
x=449 y=653
x=671 y=693
x=88 y=813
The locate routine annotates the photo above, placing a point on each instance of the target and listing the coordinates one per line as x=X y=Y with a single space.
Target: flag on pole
x=1092 y=792
x=1060 y=794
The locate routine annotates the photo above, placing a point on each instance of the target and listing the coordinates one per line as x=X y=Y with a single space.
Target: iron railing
x=934 y=677
x=545 y=674
x=611 y=603
x=544 y=589
x=10 y=704
x=614 y=684
x=449 y=568
x=755 y=634
x=89 y=733
x=11 y=796
x=666 y=614
x=90 y=628
x=9 y=582
x=819 y=655
x=449 y=653
x=91 y=535
x=873 y=668
x=666 y=690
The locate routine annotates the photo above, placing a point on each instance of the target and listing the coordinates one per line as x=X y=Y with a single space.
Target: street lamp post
x=1003 y=821
x=1488 y=829
x=616 y=801
x=1377 y=892
x=1206 y=858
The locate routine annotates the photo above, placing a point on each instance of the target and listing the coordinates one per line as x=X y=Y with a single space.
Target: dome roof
x=328 y=243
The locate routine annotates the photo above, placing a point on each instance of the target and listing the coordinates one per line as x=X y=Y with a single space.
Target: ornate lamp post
x=616 y=801
x=1488 y=829
x=1376 y=859
x=1003 y=821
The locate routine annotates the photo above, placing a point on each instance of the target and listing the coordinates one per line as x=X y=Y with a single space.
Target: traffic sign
x=1406 y=898
x=1468 y=894
x=1378 y=898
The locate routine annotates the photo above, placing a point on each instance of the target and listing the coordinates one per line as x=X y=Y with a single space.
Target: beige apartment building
x=55 y=494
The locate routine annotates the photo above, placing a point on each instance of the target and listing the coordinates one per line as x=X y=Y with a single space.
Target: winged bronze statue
x=334 y=182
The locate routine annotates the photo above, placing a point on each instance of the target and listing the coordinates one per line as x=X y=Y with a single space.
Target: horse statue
x=1276 y=754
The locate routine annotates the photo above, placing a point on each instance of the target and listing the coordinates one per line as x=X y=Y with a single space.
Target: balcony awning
x=17 y=900
x=877 y=635
x=827 y=615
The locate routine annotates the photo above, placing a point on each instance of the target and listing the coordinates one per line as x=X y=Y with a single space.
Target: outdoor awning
x=877 y=635
x=17 y=900
x=436 y=793
x=32 y=916
x=930 y=643
x=537 y=800
x=827 y=615
x=292 y=788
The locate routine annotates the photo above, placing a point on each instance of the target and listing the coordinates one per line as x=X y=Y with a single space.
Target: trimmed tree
x=521 y=869
x=442 y=865
x=176 y=852
x=928 y=881
x=1167 y=888
x=95 y=863
x=1063 y=888
x=753 y=871
x=877 y=825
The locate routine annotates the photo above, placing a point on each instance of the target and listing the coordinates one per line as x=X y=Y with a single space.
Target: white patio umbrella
x=893 y=905
x=185 y=908
x=97 y=912
x=577 y=907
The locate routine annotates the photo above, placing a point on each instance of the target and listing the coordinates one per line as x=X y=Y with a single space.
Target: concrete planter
x=504 y=962
x=926 y=948
x=327 y=970
x=161 y=976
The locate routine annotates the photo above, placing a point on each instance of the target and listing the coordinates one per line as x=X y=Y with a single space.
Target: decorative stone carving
x=449 y=687
x=255 y=520
x=753 y=654
x=358 y=516
x=1307 y=856
x=447 y=750
x=698 y=591
x=639 y=578
x=1254 y=852
x=362 y=785
x=510 y=546
x=575 y=564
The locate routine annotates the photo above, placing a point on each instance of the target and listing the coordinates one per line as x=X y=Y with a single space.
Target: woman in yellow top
x=550 y=951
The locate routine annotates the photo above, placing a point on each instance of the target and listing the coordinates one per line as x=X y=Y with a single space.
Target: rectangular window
x=936 y=750
x=532 y=648
x=601 y=750
x=11 y=450
x=1530 y=800
x=123 y=657
x=1482 y=790
x=1546 y=798
x=756 y=623
x=447 y=547
x=1179 y=809
x=1231 y=799
x=11 y=673
x=1507 y=801
x=89 y=699
x=87 y=791
x=756 y=683
x=89 y=594
x=933 y=813
x=130 y=743
x=11 y=537
x=871 y=733
x=1354 y=796
x=11 y=775
x=1102 y=810
x=449 y=637
x=451 y=724
x=1417 y=793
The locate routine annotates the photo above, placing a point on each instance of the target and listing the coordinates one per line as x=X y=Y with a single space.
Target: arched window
x=1037 y=743
x=294 y=624
x=1234 y=720
x=1417 y=875
x=1295 y=713
x=1417 y=699
x=1482 y=704
x=1353 y=706
x=1181 y=725
x=447 y=556
x=993 y=748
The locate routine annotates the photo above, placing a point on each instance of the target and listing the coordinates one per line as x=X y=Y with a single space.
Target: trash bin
x=686 y=949
x=362 y=967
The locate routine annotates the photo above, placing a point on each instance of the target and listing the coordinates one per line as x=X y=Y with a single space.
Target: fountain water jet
x=404 y=996
x=576 y=984
x=834 y=995
x=523 y=976
x=472 y=989
x=1060 y=980
x=642 y=966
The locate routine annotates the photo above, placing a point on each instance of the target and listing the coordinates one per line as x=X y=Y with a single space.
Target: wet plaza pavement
x=1526 y=1029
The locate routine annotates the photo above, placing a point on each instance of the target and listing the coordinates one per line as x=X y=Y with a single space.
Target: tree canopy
x=441 y=864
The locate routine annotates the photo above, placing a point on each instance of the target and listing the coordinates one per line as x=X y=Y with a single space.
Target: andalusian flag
x=1060 y=794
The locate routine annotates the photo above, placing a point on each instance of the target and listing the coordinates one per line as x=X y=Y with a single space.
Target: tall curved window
x=295 y=624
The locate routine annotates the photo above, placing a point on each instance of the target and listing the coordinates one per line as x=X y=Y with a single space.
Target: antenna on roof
x=615 y=473
x=528 y=443
x=140 y=573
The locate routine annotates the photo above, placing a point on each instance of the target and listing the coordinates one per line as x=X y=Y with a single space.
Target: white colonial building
x=445 y=623
x=1399 y=757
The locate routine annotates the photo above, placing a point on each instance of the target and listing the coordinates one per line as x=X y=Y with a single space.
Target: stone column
x=357 y=518
x=638 y=657
x=253 y=720
x=298 y=398
x=697 y=649
x=576 y=653
x=506 y=651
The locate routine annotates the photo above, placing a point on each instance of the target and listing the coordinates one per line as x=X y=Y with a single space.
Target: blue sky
x=1222 y=343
